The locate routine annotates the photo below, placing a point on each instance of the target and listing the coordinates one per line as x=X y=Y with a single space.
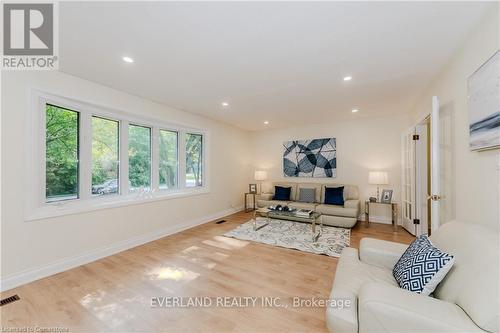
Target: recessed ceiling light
x=347 y=78
x=128 y=59
x=224 y=104
x=354 y=110
x=266 y=122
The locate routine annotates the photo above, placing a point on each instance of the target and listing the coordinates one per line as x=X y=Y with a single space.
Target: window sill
x=97 y=203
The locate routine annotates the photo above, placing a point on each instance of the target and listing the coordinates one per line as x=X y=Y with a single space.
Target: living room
x=156 y=158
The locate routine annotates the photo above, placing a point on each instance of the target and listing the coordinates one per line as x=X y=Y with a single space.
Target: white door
x=435 y=165
x=408 y=181
x=421 y=179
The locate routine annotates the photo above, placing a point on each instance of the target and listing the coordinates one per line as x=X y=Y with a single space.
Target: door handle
x=434 y=197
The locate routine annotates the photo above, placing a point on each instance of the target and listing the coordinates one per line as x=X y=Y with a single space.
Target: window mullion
x=155 y=159
x=177 y=159
x=124 y=157
x=182 y=160
x=85 y=156
x=204 y=160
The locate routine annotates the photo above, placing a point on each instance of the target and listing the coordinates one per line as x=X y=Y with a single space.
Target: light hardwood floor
x=114 y=294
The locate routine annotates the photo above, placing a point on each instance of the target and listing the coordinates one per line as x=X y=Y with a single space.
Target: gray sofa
x=339 y=216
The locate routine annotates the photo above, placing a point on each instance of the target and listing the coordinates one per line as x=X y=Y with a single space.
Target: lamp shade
x=260 y=175
x=378 y=178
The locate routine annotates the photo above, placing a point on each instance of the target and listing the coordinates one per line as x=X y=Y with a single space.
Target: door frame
x=422 y=177
x=421 y=199
x=408 y=180
x=435 y=192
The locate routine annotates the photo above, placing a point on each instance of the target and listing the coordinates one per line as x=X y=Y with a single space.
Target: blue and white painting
x=484 y=105
x=315 y=158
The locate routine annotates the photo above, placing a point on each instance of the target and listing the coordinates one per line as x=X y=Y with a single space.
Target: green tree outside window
x=61 y=153
x=168 y=159
x=194 y=160
x=139 y=157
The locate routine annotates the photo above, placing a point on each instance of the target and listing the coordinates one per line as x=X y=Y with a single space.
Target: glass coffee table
x=289 y=216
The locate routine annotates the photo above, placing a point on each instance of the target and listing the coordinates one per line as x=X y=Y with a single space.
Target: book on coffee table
x=304 y=212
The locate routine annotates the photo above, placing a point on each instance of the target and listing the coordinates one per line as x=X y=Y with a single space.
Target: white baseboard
x=15 y=280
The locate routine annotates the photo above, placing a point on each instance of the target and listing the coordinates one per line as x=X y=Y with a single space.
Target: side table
x=247 y=207
x=394 y=212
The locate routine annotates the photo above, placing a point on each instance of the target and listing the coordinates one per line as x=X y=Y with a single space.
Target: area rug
x=295 y=235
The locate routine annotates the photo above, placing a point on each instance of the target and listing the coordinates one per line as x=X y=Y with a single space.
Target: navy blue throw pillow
x=282 y=193
x=334 y=195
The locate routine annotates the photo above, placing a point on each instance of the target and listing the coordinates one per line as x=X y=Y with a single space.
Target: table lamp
x=260 y=176
x=378 y=178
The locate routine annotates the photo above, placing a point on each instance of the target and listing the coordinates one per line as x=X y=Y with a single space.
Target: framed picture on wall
x=484 y=105
x=252 y=188
x=315 y=158
x=386 y=196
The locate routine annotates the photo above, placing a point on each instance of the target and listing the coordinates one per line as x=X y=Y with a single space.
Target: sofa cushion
x=474 y=277
x=282 y=193
x=336 y=210
x=338 y=221
x=302 y=205
x=384 y=308
x=351 y=274
x=334 y=195
x=380 y=253
x=422 y=266
x=267 y=203
x=307 y=195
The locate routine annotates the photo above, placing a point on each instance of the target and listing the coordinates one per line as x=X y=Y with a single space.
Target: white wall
x=363 y=144
x=28 y=247
x=470 y=181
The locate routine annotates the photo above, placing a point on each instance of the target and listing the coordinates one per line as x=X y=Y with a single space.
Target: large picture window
x=194 y=160
x=139 y=157
x=61 y=153
x=168 y=159
x=86 y=157
x=105 y=161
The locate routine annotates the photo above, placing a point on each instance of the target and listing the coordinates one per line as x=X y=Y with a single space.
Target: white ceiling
x=276 y=61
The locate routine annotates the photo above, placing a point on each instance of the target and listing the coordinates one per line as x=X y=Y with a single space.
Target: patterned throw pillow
x=422 y=266
x=307 y=195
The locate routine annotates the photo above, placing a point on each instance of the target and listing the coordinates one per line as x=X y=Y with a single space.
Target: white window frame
x=195 y=132
x=153 y=159
x=36 y=206
x=81 y=173
x=171 y=129
x=119 y=155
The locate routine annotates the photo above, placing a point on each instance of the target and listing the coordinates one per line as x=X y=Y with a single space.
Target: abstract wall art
x=484 y=105
x=315 y=158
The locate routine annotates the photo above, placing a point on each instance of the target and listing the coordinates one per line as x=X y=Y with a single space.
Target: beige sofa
x=465 y=301
x=338 y=216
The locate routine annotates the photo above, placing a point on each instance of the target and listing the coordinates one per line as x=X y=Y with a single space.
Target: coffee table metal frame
x=261 y=211
x=290 y=216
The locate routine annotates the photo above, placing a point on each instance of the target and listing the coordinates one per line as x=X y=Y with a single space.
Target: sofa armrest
x=380 y=253
x=386 y=308
x=265 y=196
x=352 y=204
